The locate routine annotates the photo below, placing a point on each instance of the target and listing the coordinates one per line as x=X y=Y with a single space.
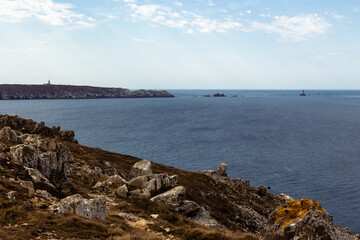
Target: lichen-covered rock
x=221 y=169
x=173 y=196
x=76 y=204
x=140 y=193
x=203 y=217
x=303 y=219
x=140 y=169
x=139 y=182
x=116 y=179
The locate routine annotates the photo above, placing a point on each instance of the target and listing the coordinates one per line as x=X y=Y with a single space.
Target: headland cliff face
x=49 y=91
x=51 y=187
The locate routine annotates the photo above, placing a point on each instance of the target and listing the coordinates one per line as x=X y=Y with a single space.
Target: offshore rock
x=76 y=204
x=303 y=219
x=140 y=169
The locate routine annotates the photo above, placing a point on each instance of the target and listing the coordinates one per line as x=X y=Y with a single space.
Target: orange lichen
x=296 y=210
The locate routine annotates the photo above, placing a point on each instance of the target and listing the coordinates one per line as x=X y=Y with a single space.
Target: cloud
x=298 y=28
x=42 y=10
x=188 y=21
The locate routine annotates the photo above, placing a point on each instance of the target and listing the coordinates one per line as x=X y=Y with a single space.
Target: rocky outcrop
x=140 y=169
x=221 y=170
x=31 y=127
x=46 y=161
x=303 y=219
x=173 y=196
x=76 y=204
x=49 y=91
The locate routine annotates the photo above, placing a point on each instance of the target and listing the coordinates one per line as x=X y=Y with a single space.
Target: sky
x=197 y=44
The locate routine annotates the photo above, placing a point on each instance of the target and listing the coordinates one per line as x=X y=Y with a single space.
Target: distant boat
x=303 y=93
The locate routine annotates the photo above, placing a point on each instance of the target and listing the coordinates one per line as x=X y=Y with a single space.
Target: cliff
x=49 y=91
x=51 y=187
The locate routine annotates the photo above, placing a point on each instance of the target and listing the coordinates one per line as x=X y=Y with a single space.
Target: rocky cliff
x=49 y=91
x=51 y=187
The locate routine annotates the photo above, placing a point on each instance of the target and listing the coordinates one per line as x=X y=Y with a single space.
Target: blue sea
x=301 y=146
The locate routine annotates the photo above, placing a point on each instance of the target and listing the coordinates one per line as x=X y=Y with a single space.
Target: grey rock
x=27 y=184
x=173 y=196
x=46 y=195
x=140 y=194
x=3 y=147
x=203 y=217
x=121 y=191
x=127 y=216
x=221 y=170
x=189 y=208
x=54 y=163
x=7 y=135
x=76 y=204
x=140 y=169
x=11 y=196
x=139 y=182
x=38 y=177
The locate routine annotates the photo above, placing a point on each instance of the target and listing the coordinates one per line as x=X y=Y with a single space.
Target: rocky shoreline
x=54 y=188
x=50 y=91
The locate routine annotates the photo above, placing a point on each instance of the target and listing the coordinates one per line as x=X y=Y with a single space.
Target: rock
x=27 y=184
x=303 y=219
x=139 y=182
x=110 y=181
x=221 y=170
x=11 y=196
x=189 y=208
x=155 y=216
x=203 y=217
x=262 y=191
x=38 y=177
x=219 y=95
x=127 y=216
x=140 y=194
x=96 y=171
x=54 y=165
x=3 y=147
x=46 y=195
x=7 y=135
x=121 y=191
x=286 y=198
x=76 y=204
x=140 y=169
x=173 y=196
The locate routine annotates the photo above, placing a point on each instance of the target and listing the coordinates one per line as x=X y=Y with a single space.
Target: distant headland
x=51 y=91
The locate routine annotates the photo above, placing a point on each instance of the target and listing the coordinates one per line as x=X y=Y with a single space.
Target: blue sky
x=259 y=44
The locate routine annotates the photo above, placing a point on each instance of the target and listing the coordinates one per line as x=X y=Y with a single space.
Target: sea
x=303 y=146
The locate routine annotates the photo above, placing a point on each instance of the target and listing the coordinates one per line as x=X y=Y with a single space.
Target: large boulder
x=89 y=208
x=140 y=169
x=173 y=196
x=303 y=219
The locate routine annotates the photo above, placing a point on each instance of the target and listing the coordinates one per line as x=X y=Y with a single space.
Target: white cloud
x=179 y=4
x=296 y=28
x=43 y=10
